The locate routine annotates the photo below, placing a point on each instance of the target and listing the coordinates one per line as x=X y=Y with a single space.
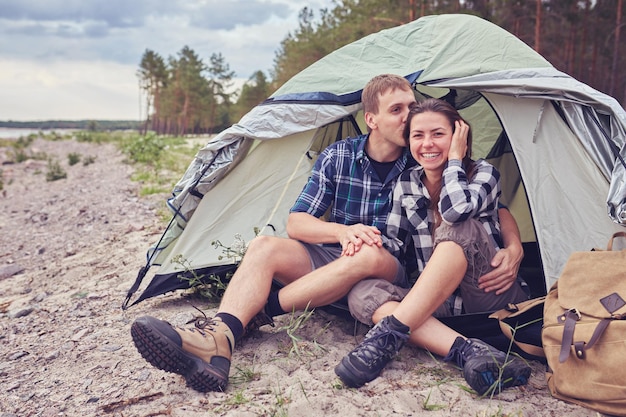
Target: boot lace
x=380 y=344
x=202 y=322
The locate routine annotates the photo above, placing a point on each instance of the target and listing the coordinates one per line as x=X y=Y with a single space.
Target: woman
x=463 y=207
x=445 y=210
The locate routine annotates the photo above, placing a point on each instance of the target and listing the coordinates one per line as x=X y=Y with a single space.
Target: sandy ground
x=69 y=251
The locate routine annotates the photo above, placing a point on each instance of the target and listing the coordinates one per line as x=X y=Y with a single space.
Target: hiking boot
x=201 y=354
x=260 y=319
x=368 y=359
x=486 y=369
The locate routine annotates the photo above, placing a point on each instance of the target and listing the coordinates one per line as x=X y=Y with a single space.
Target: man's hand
x=353 y=237
x=506 y=264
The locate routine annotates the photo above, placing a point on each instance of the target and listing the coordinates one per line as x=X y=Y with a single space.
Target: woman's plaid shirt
x=410 y=223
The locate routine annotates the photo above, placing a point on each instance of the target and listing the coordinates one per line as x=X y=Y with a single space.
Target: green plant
x=281 y=403
x=55 y=172
x=24 y=142
x=209 y=286
x=432 y=407
x=244 y=375
x=89 y=160
x=292 y=328
x=97 y=136
x=73 y=158
x=144 y=149
x=212 y=286
x=53 y=136
x=337 y=384
x=160 y=161
x=238 y=398
x=19 y=155
x=80 y=294
x=235 y=251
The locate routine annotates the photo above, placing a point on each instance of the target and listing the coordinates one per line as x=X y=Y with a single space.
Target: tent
x=559 y=144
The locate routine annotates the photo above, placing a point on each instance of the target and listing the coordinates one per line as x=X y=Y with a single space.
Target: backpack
x=584 y=333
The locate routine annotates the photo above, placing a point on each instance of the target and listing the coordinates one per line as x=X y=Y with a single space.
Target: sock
x=455 y=354
x=396 y=324
x=458 y=343
x=233 y=323
x=273 y=308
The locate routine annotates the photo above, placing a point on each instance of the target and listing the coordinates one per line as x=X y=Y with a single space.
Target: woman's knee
x=368 y=295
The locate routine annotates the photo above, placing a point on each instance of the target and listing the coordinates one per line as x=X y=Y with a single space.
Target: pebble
x=143 y=375
x=18 y=355
x=79 y=335
x=110 y=348
x=7 y=271
x=52 y=355
x=22 y=312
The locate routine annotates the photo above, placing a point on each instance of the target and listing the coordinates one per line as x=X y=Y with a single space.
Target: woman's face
x=429 y=140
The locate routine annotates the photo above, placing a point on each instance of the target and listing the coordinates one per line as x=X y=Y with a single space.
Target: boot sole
x=164 y=354
x=490 y=378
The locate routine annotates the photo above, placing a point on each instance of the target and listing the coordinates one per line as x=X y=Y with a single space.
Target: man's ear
x=370 y=120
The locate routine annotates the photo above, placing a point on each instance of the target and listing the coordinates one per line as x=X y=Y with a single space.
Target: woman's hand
x=458 y=146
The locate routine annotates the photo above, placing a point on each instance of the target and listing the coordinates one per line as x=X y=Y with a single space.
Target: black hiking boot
x=260 y=319
x=486 y=369
x=368 y=359
x=201 y=354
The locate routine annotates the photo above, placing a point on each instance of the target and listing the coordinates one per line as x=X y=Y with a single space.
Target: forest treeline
x=186 y=95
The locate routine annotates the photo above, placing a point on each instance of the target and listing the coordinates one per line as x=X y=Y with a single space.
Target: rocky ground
x=69 y=251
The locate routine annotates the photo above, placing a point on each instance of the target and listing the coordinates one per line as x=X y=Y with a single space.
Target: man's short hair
x=379 y=85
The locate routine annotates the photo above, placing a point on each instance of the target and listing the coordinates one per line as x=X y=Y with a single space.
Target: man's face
x=393 y=108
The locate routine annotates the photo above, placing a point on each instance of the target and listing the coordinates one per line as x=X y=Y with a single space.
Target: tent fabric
x=560 y=144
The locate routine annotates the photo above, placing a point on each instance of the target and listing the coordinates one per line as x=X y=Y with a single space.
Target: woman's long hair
x=435 y=105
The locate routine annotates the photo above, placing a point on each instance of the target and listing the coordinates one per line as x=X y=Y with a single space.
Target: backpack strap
x=513 y=310
x=526 y=347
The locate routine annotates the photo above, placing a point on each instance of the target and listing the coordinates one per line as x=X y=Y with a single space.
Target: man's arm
x=506 y=262
x=310 y=229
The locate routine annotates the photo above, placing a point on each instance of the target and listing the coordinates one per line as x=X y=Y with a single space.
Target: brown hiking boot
x=201 y=354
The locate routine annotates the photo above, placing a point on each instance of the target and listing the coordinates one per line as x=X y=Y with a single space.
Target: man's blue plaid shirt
x=344 y=180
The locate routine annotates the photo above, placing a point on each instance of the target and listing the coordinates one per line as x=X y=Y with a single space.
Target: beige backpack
x=584 y=331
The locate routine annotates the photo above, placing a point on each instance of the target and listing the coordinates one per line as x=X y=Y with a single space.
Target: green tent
x=559 y=144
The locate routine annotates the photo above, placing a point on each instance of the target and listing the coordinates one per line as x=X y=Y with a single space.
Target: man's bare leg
x=266 y=258
x=202 y=354
x=333 y=281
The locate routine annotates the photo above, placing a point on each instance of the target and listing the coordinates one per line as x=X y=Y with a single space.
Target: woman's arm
x=461 y=199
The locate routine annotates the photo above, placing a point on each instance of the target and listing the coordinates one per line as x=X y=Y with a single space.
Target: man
x=321 y=260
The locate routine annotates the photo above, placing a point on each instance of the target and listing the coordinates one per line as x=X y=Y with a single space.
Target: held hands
x=458 y=146
x=353 y=237
x=506 y=263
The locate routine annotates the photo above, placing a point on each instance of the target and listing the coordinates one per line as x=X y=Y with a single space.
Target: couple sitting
x=442 y=213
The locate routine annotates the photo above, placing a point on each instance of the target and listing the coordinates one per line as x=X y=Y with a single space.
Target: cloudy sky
x=77 y=59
